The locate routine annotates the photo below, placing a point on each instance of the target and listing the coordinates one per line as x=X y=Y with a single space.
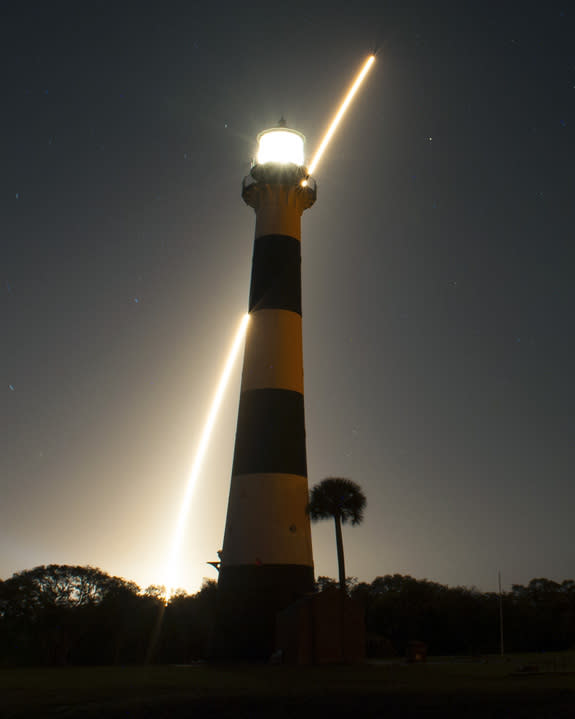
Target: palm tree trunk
x=341 y=565
x=339 y=545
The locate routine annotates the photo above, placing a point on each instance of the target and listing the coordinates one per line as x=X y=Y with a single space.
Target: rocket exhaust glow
x=340 y=113
x=170 y=582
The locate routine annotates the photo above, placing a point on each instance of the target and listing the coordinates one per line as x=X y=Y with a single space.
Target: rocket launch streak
x=340 y=113
x=199 y=458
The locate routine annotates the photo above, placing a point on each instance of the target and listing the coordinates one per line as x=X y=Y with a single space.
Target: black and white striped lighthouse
x=266 y=561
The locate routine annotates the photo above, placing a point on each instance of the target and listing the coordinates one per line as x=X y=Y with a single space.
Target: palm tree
x=343 y=500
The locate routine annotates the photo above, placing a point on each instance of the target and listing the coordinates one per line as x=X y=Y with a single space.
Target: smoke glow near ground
x=172 y=568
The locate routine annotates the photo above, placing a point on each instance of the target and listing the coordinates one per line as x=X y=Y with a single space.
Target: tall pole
x=266 y=561
x=501 y=646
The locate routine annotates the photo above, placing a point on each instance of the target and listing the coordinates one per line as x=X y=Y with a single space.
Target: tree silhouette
x=60 y=614
x=53 y=609
x=342 y=500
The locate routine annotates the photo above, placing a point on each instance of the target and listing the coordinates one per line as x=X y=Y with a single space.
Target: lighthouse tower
x=266 y=561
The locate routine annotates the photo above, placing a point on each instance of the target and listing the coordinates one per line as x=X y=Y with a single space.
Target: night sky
x=438 y=277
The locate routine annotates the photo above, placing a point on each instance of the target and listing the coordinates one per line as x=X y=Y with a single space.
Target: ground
x=520 y=686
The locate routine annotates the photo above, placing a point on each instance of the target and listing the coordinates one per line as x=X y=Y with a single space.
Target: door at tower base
x=324 y=628
x=248 y=601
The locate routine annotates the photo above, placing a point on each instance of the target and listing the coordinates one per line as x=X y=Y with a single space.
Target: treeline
x=61 y=614
x=459 y=620
x=80 y=615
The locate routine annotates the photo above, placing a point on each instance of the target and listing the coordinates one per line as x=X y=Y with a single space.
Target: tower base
x=323 y=628
x=249 y=598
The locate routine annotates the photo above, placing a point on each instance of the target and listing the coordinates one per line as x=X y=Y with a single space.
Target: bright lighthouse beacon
x=266 y=561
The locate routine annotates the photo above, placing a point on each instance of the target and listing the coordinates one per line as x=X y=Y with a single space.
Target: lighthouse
x=266 y=560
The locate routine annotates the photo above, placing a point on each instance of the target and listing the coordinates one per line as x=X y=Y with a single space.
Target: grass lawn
x=440 y=688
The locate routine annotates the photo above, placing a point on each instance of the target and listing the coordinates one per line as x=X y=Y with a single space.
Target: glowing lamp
x=280 y=145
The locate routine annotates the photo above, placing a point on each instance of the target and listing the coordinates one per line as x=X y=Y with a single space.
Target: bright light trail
x=340 y=113
x=172 y=567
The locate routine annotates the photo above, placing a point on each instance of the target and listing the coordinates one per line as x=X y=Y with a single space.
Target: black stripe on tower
x=276 y=274
x=270 y=434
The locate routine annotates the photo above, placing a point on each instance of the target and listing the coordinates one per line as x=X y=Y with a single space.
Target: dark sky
x=438 y=277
